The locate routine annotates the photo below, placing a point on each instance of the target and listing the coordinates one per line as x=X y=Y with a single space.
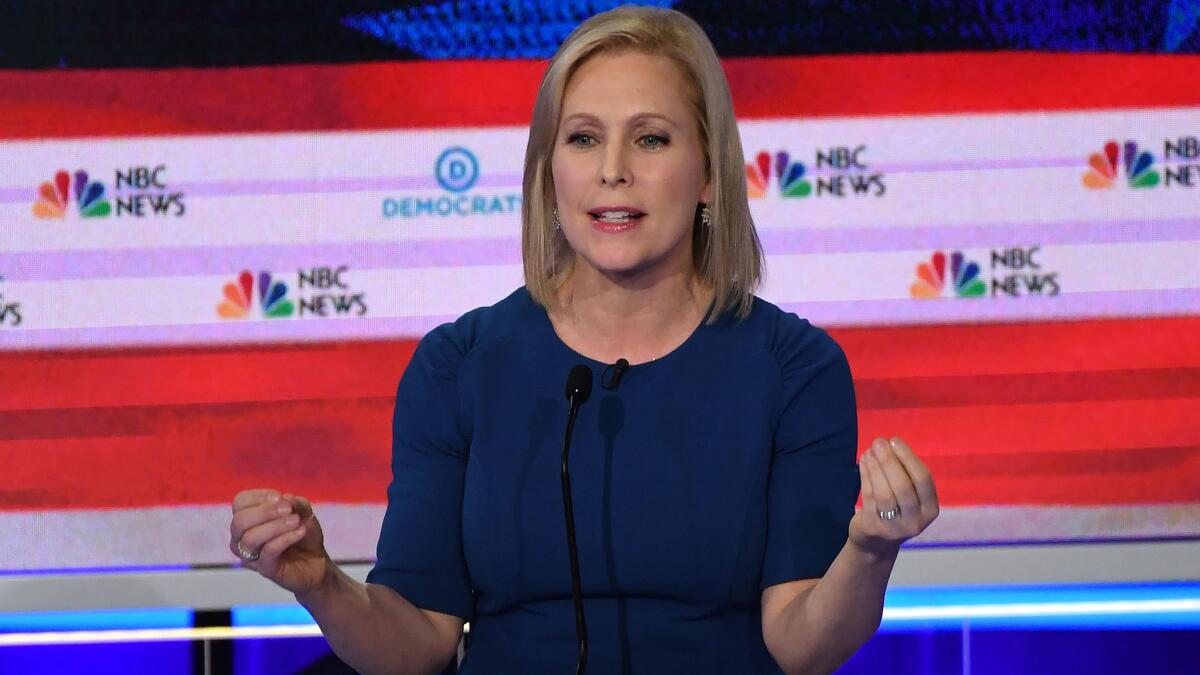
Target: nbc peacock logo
x=789 y=174
x=964 y=275
x=53 y=196
x=1104 y=167
x=272 y=297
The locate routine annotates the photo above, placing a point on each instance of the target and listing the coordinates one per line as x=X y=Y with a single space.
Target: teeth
x=615 y=216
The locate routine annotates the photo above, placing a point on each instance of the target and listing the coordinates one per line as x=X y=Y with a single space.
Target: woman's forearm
x=823 y=627
x=374 y=629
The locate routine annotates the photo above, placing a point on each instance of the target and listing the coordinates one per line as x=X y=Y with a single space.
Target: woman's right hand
x=285 y=534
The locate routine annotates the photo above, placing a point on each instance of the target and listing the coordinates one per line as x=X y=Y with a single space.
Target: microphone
x=579 y=388
x=579 y=385
x=611 y=377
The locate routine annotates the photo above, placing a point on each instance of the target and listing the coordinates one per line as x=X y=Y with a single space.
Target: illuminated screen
x=213 y=272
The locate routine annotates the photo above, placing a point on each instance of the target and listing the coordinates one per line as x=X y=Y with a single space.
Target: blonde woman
x=714 y=481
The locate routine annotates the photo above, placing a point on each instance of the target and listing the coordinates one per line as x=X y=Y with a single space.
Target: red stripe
x=90 y=379
x=928 y=84
x=162 y=420
x=917 y=351
x=93 y=378
x=333 y=451
x=952 y=431
x=887 y=394
x=440 y=94
x=1083 y=478
x=976 y=390
x=1038 y=413
x=337 y=451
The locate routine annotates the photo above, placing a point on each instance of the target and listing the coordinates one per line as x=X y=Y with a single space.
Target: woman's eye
x=581 y=140
x=654 y=141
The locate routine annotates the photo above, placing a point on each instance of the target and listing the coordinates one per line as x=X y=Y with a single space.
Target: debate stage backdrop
x=223 y=230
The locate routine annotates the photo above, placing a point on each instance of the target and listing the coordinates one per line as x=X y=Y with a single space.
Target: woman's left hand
x=894 y=482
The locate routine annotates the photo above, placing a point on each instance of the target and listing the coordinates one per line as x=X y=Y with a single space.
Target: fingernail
x=293 y=519
x=271 y=499
x=284 y=507
x=879 y=445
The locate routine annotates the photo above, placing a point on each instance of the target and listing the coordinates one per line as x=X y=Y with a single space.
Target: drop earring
x=705 y=217
x=557 y=225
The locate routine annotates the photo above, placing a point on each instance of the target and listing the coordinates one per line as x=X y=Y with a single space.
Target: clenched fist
x=278 y=536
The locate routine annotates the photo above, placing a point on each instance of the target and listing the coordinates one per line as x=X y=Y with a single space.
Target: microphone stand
x=579 y=388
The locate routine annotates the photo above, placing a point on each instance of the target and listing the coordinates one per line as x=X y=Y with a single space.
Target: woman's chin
x=627 y=262
x=624 y=270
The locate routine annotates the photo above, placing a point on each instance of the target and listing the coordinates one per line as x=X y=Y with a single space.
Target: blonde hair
x=728 y=255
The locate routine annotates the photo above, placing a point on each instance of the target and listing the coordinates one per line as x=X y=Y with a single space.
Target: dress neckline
x=643 y=366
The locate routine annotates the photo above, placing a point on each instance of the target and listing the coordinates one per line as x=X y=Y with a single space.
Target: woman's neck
x=640 y=320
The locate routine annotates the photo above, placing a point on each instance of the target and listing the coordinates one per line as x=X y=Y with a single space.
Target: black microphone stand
x=579 y=388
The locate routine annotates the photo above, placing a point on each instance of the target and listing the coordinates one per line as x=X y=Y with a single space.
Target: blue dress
x=711 y=473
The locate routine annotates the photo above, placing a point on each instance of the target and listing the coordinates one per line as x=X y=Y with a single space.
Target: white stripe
x=156 y=635
x=365 y=154
x=919 y=613
x=185 y=301
x=58 y=539
x=1030 y=609
x=182 y=535
x=912 y=199
x=888 y=275
x=448 y=291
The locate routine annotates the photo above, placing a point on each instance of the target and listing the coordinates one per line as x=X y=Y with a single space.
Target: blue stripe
x=933 y=598
x=897 y=598
x=95 y=570
x=108 y=619
x=271 y=615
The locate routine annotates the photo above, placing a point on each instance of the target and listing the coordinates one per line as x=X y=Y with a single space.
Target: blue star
x=483 y=28
x=1182 y=18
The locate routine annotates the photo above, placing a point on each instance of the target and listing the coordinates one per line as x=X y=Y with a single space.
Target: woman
x=714 y=482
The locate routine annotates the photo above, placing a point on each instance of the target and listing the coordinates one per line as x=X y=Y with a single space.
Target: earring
x=705 y=216
x=557 y=225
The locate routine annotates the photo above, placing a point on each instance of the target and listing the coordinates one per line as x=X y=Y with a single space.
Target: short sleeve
x=420 y=552
x=814 y=481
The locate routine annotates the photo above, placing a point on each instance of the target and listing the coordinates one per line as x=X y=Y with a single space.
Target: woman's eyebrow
x=632 y=121
x=647 y=116
x=585 y=117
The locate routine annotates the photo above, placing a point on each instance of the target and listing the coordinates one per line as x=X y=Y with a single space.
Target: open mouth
x=616 y=217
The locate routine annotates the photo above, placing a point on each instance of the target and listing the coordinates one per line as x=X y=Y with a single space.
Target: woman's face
x=628 y=166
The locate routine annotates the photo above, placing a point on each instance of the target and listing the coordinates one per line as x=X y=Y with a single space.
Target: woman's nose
x=616 y=167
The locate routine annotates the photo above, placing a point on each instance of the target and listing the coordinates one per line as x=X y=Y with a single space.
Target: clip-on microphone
x=610 y=379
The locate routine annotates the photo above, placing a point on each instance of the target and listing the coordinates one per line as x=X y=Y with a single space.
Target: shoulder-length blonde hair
x=727 y=255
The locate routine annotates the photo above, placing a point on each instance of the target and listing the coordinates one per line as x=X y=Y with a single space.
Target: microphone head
x=579 y=384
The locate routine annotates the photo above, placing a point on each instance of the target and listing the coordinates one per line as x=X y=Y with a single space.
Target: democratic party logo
x=1105 y=167
x=788 y=174
x=54 y=196
x=272 y=297
x=456 y=170
x=931 y=277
